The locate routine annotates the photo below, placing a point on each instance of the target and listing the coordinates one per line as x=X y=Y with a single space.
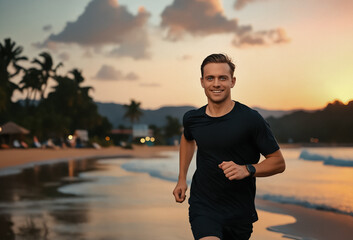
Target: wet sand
x=170 y=219
x=310 y=223
x=158 y=216
x=14 y=157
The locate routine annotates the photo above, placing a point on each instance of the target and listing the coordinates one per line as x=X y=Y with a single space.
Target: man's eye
x=223 y=78
x=209 y=78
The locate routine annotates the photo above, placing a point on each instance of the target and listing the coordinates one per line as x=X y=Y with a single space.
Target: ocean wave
x=163 y=169
x=301 y=202
x=326 y=159
x=168 y=176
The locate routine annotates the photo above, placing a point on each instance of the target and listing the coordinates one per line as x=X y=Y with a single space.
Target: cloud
x=135 y=46
x=47 y=28
x=275 y=36
x=206 y=17
x=46 y=44
x=87 y=54
x=105 y=22
x=64 y=56
x=107 y=72
x=131 y=76
x=240 y=4
x=150 y=85
x=196 y=17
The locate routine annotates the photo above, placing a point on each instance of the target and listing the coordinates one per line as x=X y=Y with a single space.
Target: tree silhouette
x=173 y=127
x=46 y=71
x=71 y=100
x=333 y=124
x=66 y=108
x=69 y=107
x=10 y=55
x=31 y=82
x=133 y=111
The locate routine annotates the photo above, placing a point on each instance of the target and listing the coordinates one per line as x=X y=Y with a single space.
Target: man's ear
x=201 y=80
x=234 y=79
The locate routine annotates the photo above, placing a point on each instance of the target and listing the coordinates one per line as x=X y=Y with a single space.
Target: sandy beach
x=13 y=157
x=170 y=219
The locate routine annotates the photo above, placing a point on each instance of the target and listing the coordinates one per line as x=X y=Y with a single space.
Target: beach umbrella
x=12 y=128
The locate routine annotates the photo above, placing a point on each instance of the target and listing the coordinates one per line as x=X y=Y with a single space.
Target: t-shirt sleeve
x=186 y=125
x=264 y=138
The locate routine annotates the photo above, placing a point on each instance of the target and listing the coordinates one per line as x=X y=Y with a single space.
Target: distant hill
x=115 y=112
x=272 y=113
x=332 y=124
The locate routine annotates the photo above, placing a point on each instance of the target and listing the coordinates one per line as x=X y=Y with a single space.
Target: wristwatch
x=251 y=169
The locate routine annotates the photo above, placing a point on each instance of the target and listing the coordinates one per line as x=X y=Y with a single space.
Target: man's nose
x=216 y=82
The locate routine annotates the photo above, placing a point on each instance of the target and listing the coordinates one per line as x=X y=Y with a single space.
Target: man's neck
x=219 y=109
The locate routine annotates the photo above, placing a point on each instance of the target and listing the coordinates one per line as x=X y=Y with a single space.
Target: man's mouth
x=217 y=91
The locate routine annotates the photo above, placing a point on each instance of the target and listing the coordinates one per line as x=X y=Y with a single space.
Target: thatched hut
x=9 y=132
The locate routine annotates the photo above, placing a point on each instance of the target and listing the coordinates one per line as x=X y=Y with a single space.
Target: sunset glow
x=293 y=55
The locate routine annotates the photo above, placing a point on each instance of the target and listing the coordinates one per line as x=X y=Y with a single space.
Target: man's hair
x=218 y=58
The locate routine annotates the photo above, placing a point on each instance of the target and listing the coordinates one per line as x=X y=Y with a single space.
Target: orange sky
x=157 y=55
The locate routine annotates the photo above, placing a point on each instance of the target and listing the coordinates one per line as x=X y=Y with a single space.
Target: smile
x=217 y=91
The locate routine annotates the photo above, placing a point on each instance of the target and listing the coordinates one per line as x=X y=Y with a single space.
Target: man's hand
x=179 y=191
x=233 y=171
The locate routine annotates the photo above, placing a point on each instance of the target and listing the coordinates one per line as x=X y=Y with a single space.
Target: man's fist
x=179 y=191
x=233 y=171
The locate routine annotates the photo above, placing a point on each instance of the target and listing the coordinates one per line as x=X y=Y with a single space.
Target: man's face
x=217 y=82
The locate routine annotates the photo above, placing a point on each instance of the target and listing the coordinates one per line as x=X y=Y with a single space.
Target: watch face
x=251 y=169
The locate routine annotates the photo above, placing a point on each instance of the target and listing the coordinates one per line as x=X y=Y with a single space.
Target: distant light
x=153 y=139
x=148 y=138
x=107 y=138
x=142 y=140
x=0 y=129
x=70 y=137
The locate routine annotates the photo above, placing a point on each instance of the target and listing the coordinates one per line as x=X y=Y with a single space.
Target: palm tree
x=31 y=81
x=71 y=101
x=10 y=54
x=47 y=70
x=133 y=111
x=78 y=79
x=173 y=127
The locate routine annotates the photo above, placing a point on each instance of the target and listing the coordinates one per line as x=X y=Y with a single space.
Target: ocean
x=319 y=178
x=97 y=199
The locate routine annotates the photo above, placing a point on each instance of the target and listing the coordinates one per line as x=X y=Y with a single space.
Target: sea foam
x=326 y=159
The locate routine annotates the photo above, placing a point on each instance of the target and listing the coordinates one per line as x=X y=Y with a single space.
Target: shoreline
x=13 y=157
x=309 y=224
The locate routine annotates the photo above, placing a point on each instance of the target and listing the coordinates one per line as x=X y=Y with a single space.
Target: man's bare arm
x=187 y=149
x=273 y=164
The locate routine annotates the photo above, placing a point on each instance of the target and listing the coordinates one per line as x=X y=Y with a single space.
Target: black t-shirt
x=240 y=136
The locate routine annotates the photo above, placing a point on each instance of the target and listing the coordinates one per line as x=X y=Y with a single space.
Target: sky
x=289 y=54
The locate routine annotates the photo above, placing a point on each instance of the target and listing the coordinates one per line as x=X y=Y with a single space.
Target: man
x=230 y=138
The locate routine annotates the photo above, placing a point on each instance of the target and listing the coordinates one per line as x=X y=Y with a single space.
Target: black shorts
x=203 y=226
